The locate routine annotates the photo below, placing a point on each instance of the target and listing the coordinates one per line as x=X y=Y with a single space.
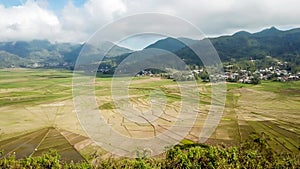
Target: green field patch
x=173 y=97
x=32 y=100
x=205 y=102
x=103 y=76
x=232 y=99
x=280 y=141
x=40 y=141
x=107 y=106
x=226 y=119
x=23 y=145
x=54 y=76
x=290 y=138
x=186 y=142
x=245 y=131
x=291 y=91
x=231 y=86
x=276 y=87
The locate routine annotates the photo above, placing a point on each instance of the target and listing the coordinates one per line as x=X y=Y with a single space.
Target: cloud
x=85 y=20
x=36 y=20
x=216 y=17
x=29 y=21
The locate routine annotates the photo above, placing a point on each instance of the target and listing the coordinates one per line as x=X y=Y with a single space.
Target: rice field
x=36 y=103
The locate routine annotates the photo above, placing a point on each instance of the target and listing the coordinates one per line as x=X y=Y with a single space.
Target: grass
x=279 y=87
x=33 y=86
x=107 y=106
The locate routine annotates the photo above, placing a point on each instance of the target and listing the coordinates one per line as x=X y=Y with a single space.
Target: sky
x=77 y=20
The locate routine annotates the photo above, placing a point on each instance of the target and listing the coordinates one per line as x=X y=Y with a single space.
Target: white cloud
x=29 y=21
x=220 y=17
x=34 y=20
x=81 y=22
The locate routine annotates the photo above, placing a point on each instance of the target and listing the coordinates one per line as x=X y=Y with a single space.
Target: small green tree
x=255 y=80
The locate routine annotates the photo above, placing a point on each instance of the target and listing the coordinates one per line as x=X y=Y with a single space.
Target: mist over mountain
x=283 y=45
x=42 y=53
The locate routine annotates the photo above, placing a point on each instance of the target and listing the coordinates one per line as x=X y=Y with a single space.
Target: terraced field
x=40 y=141
x=36 y=109
x=273 y=108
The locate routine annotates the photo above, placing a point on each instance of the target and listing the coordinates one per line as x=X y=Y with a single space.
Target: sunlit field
x=37 y=112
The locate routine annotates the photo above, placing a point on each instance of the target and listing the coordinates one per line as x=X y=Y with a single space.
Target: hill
x=282 y=45
x=42 y=53
x=169 y=44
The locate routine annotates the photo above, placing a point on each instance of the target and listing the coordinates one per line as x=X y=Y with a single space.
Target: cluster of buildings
x=238 y=75
x=145 y=73
x=277 y=74
x=269 y=73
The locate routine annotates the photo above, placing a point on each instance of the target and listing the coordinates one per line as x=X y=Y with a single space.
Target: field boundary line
x=36 y=148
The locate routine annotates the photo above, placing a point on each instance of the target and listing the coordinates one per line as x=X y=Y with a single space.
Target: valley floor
x=35 y=100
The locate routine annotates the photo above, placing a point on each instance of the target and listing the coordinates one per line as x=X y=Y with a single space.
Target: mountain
x=115 y=49
x=282 y=45
x=11 y=60
x=168 y=44
x=273 y=31
x=42 y=53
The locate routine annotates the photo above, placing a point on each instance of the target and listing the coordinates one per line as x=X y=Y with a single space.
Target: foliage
x=255 y=80
x=251 y=154
x=204 y=76
x=49 y=160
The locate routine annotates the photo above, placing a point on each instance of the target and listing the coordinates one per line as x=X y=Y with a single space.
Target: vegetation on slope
x=251 y=154
x=282 y=45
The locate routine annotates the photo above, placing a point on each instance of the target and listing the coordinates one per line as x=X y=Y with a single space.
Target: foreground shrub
x=252 y=154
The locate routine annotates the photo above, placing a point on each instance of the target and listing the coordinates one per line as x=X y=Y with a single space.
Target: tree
x=204 y=76
x=255 y=80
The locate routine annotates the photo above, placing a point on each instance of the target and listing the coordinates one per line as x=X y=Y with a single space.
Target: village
x=277 y=72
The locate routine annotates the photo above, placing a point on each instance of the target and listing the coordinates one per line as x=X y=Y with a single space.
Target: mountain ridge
x=242 y=45
x=50 y=54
